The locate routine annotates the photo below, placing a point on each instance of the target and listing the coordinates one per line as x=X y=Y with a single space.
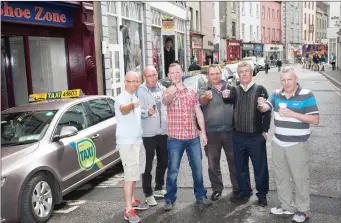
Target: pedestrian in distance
x=183 y=135
x=249 y=139
x=295 y=108
x=129 y=143
x=267 y=65
x=219 y=129
x=154 y=126
x=279 y=65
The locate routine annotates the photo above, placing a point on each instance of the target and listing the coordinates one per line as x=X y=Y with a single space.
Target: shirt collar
x=298 y=90
x=248 y=86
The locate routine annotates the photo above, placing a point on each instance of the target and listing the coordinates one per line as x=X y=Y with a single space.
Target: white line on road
x=73 y=203
x=67 y=210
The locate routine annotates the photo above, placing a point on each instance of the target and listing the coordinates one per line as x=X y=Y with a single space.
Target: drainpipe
x=98 y=48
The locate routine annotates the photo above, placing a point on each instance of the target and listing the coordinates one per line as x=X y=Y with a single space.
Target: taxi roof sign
x=76 y=93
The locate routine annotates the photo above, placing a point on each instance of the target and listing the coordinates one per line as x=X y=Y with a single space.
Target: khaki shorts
x=133 y=158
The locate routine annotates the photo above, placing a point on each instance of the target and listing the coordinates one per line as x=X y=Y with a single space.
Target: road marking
x=73 y=203
x=112 y=181
x=67 y=210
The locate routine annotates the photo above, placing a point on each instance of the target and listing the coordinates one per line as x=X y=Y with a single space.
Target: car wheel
x=37 y=199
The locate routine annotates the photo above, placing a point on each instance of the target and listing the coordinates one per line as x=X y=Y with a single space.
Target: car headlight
x=3 y=180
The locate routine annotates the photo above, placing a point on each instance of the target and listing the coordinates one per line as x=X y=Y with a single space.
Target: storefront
x=252 y=49
x=46 y=46
x=233 y=50
x=276 y=51
x=196 y=47
x=294 y=52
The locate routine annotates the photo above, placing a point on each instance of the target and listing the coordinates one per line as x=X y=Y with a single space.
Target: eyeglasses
x=134 y=82
x=154 y=75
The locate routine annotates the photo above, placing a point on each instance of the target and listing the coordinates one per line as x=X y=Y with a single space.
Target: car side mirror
x=65 y=132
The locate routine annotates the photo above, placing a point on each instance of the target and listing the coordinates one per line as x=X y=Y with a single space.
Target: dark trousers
x=266 y=68
x=215 y=142
x=255 y=148
x=156 y=143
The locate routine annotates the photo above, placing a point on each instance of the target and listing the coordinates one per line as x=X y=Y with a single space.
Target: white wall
x=247 y=20
x=170 y=8
x=216 y=23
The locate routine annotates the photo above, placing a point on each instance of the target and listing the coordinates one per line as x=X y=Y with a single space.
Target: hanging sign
x=168 y=27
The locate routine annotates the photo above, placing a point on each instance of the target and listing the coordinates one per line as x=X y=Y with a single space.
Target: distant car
x=51 y=147
x=261 y=63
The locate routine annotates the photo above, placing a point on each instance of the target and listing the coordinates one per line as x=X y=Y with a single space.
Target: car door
x=103 y=120
x=76 y=154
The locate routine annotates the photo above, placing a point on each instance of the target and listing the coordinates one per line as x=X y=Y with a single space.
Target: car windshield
x=24 y=127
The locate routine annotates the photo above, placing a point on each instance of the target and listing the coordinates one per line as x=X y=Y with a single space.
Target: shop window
x=113 y=36
x=157 y=51
x=48 y=64
x=132 y=46
x=111 y=7
x=19 y=70
x=132 y=10
x=4 y=95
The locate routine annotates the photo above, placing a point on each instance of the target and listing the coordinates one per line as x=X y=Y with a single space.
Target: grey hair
x=244 y=64
x=214 y=66
x=288 y=69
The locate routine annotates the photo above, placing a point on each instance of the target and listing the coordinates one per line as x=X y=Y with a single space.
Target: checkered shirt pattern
x=181 y=115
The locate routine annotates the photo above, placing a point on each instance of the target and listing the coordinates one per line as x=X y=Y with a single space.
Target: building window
x=298 y=36
x=181 y=49
x=243 y=31
x=308 y=5
x=268 y=15
x=273 y=14
x=111 y=7
x=312 y=19
x=197 y=20
x=191 y=24
x=305 y=34
x=278 y=35
x=292 y=34
x=312 y=5
x=305 y=18
x=250 y=9
x=132 y=10
x=251 y=33
x=273 y=34
x=305 y=4
x=263 y=34
x=263 y=12
x=257 y=37
x=242 y=7
x=278 y=15
x=257 y=10
x=269 y=35
x=234 y=7
x=213 y=10
x=233 y=29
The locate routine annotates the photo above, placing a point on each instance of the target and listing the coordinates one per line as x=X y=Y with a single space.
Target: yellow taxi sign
x=76 y=93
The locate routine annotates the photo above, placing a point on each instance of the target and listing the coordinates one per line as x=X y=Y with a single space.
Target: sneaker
x=160 y=193
x=205 y=201
x=237 y=197
x=137 y=205
x=280 y=211
x=262 y=202
x=151 y=201
x=215 y=196
x=299 y=217
x=131 y=216
x=168 y=206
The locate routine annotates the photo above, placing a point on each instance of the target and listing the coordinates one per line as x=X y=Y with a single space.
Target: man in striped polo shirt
x=294 y=109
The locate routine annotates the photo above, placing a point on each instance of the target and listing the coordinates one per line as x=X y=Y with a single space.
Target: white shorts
x=133 y=158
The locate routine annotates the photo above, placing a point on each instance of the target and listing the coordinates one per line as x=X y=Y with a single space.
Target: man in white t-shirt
x=129 y=143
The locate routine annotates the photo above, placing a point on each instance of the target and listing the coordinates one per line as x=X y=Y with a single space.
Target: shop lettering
x=40 y=14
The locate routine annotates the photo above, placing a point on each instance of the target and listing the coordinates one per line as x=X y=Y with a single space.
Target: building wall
x=206 y=8
x=195 y=23
x=333 y=29
x=308 y=18
x=229 y=12
x=322 y=17
x=250 y=16
x=270 y=19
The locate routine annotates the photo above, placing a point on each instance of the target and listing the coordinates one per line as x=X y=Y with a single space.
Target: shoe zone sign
x=41 y=13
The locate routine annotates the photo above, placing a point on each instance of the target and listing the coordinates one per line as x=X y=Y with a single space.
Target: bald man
x=295 y=109
x=129 y=143
x=154 y=126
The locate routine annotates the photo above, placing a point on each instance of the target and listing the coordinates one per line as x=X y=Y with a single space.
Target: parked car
x=51 y=147
x=261 y=63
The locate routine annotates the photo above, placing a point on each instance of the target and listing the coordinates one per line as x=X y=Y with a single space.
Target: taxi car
x=52 y=146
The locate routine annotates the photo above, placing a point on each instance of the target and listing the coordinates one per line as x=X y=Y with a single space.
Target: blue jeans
x=176 y=148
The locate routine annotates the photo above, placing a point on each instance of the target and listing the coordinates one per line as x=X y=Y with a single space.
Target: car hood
x=10 y=154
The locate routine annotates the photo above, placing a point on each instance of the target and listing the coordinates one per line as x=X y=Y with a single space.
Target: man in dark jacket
x=194 y=66
x=169 y=54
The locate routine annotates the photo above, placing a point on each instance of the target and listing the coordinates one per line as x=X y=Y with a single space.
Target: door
x=116 y=71
x=104 y=123
x=77 y=154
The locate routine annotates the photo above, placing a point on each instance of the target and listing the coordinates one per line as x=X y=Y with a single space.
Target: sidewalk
x=334 y=75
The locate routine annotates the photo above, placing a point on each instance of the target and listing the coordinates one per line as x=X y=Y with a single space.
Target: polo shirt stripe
x=290 y=125
x=292 y=132
x=285 y=138
x=287 y=119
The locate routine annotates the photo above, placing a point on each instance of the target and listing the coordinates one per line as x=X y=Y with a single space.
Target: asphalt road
x=102 y=200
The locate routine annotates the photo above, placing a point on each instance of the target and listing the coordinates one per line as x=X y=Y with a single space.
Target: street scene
x=102 y=199
x=172 y=111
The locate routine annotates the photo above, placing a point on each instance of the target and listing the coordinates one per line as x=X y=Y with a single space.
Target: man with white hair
x=294 y=109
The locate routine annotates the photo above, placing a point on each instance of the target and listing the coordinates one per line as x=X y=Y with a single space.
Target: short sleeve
x=271 y=100
x=310 y=105
x=195 y=101
x=118 y=103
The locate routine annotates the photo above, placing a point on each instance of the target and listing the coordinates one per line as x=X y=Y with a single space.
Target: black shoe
x=262 y=202
x=237 y=197
x=215 y=196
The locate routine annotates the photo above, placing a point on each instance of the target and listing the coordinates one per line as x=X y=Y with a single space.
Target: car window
x=99 y=110
x=74 y=116
x=112 y=105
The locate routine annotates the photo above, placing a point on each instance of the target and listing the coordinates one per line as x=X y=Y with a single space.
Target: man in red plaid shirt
x=183 y=110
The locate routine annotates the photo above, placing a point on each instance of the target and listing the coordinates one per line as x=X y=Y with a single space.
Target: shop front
x=196 y=47
x=273 y=51
x=252 y=49
x=233 y=50
x=294 y=52
x=46 y=47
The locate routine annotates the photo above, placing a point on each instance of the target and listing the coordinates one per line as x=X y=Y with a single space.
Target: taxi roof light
x=75 y=93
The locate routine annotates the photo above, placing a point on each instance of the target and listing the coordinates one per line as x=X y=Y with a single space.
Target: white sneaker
x=280 y=211
x=160 y=193
x=299 y=217
x=151 y=201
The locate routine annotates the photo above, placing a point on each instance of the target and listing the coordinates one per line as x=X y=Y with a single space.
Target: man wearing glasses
x=154 y=126
x=129 y=143
x=183 y=109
